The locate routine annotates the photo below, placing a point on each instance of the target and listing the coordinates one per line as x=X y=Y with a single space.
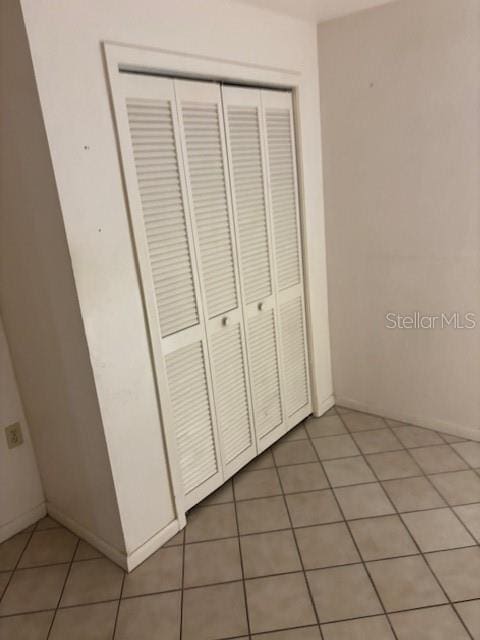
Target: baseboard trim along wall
x=418 y=421
x=127 y=561
x=22 y=521
x=324 y=406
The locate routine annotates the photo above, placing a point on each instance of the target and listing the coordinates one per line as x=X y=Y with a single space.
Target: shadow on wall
x=21 y=498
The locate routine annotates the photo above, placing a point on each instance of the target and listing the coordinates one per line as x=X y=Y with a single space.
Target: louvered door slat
x=293 y=355
x=265 y=372
x=283 y=198
x=204 y=159
x=231 y=394
x=193 y=419
x=249 y=199
x=151 y=125
x=282 y=188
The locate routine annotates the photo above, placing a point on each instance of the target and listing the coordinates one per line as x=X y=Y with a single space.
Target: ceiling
x=315 y=10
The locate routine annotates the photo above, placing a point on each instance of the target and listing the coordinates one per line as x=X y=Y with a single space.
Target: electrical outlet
x=14 y=435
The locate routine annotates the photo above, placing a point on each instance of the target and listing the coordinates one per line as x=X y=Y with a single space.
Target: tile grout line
x=470 y=466
x=341 y=410
x=355 y=455
x=59 y=564
x=352 y=537
x=234 y=580
x=396 y=510
x=399 y=515
x=292 y=529
x=282 y=630
x=114 y=631
x=276 y=467
x=244 y=585
x=427 y=478
x=374 y=615
x=343 y=486
x=70 y=606
x=423 y=473
x=180 y=630
x=323 y=524
x=437 y=491
x=63 y=589
x=13 y=571
x=459 y=617
x=272 y=531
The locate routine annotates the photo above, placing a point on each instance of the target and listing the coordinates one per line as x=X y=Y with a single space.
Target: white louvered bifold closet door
x=210 y=176
x=149 y=138
x=243 y=117
x=284 y=208
x=203 y=143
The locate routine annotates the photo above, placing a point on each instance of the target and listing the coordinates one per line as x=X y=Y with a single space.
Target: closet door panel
x=265 y=375
x=201 y=128
x=284 y=208
x=231 y=392
x=243 y=131
x=147 y=124
x=203 y=143
x=156 y=163
x=282 y=181
x=187 y=381
x=242 y=109
x=295 y=365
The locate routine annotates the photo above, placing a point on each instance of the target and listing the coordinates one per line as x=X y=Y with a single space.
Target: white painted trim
x=309 y=285
x=150 y=546
x=22 y=521
x=434 y=424
x=173 y=63
x=324 y=406
x=117 y=556
x=127 y=561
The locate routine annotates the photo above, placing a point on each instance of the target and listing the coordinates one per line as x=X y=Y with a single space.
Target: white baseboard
x=419 y=421
x=140 y=554
x=324 y=406
x=127 y=561
x=22 y=521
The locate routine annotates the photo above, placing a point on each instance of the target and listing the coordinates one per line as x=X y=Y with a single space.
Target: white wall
x=21 y=498
x=66 y=43
x=40 y=309
x=400 y=118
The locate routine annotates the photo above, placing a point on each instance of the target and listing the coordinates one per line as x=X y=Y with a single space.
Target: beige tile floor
x=351 y=527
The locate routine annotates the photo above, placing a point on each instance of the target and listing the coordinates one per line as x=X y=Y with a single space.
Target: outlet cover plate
x=14 y=435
